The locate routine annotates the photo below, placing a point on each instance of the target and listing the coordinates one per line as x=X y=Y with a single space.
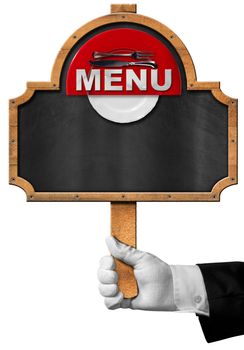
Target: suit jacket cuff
x=189 y=289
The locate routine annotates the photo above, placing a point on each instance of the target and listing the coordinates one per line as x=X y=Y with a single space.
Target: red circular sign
x=136 y=63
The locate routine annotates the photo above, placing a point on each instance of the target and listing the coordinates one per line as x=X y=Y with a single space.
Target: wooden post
x=130 y=8
x=123 y=215
x=123 y=227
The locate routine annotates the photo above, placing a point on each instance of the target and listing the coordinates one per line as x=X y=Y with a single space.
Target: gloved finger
x=107 y=276
x=123 y=252
x=107 y=263
x=113 y=303
x=108 y=290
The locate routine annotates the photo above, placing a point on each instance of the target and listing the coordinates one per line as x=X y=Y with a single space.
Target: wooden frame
x=124 y=13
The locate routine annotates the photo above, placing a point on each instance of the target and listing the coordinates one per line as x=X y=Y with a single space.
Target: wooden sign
x=171 y=138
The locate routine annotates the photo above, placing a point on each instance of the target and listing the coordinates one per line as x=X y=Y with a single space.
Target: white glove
x=154 y=279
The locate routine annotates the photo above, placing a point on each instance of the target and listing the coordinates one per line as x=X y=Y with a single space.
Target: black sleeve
x=225 y=290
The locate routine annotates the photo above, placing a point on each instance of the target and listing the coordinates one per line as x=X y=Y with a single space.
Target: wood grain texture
x=232 y=178
x=192 y=84
x=115 y=8
x=212 y=196
x=123 y=227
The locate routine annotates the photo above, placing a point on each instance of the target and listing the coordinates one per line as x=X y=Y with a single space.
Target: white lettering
x=167 y=80
x=131 y=77
x=109 y=79
x=93 y=79
x=88 y=82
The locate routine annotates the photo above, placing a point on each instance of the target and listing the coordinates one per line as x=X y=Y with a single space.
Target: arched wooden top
x=123 y=17
x=130 y=18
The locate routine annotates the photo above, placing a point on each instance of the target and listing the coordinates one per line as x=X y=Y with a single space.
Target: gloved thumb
x=123 y=252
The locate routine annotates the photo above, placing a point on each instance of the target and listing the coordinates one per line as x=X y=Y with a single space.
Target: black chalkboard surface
x=64 y=145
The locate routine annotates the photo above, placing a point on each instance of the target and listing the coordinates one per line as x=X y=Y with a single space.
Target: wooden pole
x=123 y=227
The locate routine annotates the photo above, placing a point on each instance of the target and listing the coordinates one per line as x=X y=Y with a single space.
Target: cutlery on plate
x=115 y=63
x=122 y=53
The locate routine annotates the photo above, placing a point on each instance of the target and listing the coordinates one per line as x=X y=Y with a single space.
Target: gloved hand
x=154 y=279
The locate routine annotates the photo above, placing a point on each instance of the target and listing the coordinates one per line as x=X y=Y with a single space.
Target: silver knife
x=115 y=63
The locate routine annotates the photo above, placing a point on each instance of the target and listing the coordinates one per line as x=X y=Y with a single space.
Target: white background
x=49 y=252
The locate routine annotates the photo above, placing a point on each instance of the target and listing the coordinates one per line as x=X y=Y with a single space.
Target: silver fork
x=138 y=55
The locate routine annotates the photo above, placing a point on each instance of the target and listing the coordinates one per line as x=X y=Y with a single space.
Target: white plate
x=123 y=109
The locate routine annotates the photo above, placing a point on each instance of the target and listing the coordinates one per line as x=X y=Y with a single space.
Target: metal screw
x=74 y=36
x=12 y=178
x=13 y=101
x=171 y=36
x=232 y=179
x=13 y=140
x=169 y=196
x=123 y=196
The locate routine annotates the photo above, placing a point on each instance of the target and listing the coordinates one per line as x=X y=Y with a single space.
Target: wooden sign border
x=123 y=15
